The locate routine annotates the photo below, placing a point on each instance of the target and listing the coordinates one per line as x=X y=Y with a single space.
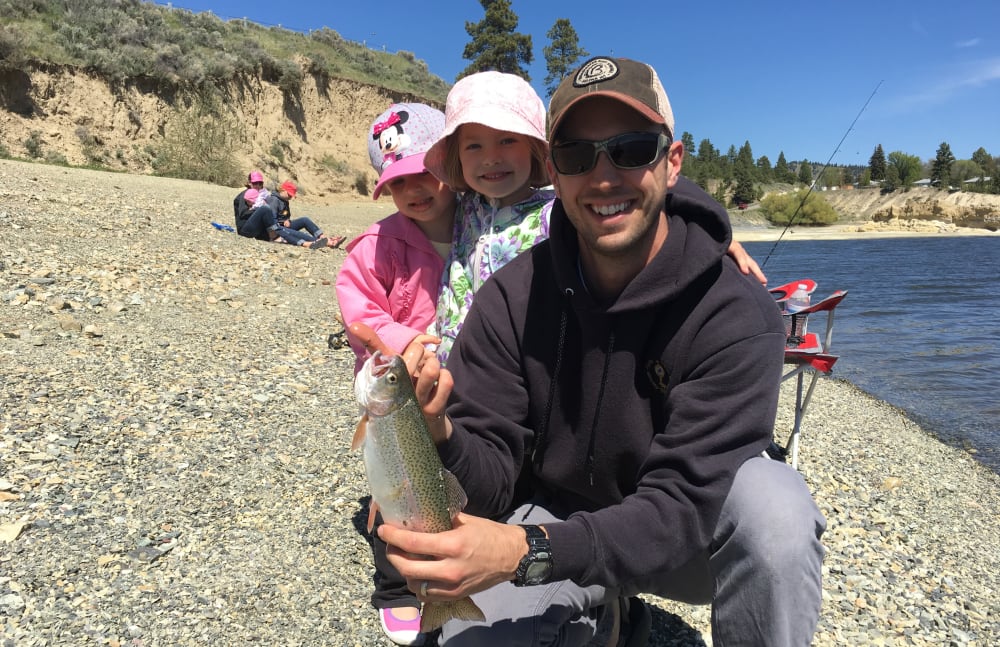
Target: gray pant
x=764 y=567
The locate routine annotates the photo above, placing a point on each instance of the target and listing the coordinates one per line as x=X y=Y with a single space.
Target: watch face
x=538 y=572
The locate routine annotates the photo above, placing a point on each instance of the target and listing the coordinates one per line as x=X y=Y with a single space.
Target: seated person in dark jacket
x=608 y=401
x=257 y=221
x=280 y=202
x=241 y=209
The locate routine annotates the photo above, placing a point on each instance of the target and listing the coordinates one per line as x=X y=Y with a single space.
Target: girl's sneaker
x=401 y=632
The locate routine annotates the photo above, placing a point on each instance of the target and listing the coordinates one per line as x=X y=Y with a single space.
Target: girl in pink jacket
x=390 y=281
x=392 y=273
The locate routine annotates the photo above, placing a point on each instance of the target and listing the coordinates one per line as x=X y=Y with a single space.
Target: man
x=613 y=389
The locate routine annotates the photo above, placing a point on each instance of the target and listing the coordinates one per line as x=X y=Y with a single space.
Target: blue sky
x=785 y=76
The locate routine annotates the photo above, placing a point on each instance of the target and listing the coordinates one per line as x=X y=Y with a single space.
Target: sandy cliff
x=316 y=137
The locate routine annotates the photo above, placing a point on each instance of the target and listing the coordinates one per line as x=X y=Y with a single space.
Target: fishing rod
x=821 y=171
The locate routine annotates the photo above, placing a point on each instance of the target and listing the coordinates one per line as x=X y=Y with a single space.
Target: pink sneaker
x=401 y=632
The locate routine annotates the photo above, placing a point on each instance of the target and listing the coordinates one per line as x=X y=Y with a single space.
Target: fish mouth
x=380 y=364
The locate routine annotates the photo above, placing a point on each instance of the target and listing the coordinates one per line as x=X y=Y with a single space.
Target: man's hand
x=473 y=556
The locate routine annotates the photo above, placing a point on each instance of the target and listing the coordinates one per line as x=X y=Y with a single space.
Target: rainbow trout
x=408 y=483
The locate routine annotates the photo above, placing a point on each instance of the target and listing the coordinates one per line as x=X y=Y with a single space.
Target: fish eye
x=390 y=378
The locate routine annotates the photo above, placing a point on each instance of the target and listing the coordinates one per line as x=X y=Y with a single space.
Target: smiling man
x=614 y=388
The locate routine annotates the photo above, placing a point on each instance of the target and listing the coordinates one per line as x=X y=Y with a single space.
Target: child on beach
x=389 y=281
x=493 y=148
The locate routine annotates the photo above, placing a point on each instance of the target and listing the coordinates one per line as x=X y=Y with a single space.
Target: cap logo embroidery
x=595 y=71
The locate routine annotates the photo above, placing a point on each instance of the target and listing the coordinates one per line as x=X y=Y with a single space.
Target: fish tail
x=435 y=614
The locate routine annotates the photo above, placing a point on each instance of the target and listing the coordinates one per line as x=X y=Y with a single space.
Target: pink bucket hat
x=250 y=195
x=399 y=138
x=494 y=99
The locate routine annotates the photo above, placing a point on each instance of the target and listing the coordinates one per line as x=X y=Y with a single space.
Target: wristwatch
x=535 y=567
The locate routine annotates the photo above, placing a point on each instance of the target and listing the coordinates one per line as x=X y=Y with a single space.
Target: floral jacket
x=486 y=238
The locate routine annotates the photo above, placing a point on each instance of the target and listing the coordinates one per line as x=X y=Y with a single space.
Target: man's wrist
x=535 y=566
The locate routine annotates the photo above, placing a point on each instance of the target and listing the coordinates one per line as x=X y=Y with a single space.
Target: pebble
x=176 y=409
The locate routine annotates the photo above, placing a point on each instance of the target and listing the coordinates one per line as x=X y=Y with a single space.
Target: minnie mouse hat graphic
x=399 y=138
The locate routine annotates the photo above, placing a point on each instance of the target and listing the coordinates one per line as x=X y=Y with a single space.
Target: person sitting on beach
x=255 y=180
x=257 y=222
x=280 y=203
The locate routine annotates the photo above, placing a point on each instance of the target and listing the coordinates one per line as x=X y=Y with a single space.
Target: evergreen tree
x=495 y=45
x=984 y=161
x=708 y=159
x=805 y=173
x=941 y=167
x=562 y=54
x=744 y=192
x=877 y=164
x=688 y=140
x=764 y=171
x=781 y=171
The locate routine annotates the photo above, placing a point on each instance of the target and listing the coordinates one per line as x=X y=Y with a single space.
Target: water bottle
x=797 y=301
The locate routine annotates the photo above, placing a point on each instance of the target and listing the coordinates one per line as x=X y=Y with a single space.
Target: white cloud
x=972 y=42
x=975 y=74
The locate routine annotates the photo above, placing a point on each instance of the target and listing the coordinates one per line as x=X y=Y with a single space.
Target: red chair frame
x=808 y=355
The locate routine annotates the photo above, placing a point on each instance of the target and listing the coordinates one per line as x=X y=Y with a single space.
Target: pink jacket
x=390 y=281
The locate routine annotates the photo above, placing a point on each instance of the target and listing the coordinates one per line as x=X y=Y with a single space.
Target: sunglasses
x=627 y=151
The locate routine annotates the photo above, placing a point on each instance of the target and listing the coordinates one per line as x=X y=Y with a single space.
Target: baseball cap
x=399 y=138
x=256 y=176
x=289 y=187
x=494 y=99
x=250 y=195
x=631 y=82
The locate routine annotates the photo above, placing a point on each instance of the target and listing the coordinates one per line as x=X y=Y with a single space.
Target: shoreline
x=175 y=430
x=747 y=233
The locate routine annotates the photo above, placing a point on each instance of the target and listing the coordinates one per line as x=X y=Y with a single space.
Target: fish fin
x=454 y=493
x=372 y=511
x=435 y=614
x=360 y=432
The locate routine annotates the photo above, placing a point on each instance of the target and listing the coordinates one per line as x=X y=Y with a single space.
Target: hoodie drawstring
x=541 y=436
x=538 y=453
x=597 y=409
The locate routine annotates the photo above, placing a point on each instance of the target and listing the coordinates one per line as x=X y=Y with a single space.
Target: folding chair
x=806 y=354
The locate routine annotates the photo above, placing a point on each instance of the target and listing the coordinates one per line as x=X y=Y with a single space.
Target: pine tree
x=941 y=166
x=985 y=162
x=781 y=171
x=563 y=53
x=764 y=171
x=744 y=192
x=877 y=164
x=495 y=45
x=805 y=173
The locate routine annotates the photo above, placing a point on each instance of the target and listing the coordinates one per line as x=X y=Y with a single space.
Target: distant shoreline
x=749 y=233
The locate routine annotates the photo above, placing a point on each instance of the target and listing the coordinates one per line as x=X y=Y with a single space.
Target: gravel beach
x=175 y=429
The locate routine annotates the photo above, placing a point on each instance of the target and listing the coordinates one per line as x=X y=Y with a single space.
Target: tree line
x=738 y=176
x=129 y=40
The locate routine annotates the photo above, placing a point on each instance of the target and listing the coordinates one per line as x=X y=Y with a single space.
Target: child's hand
x=431 y=382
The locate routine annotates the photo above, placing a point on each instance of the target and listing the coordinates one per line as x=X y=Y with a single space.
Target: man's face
x=617 y=213
x=257 y=185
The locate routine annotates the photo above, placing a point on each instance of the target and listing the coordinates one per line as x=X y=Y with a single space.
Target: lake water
x=920 y=328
